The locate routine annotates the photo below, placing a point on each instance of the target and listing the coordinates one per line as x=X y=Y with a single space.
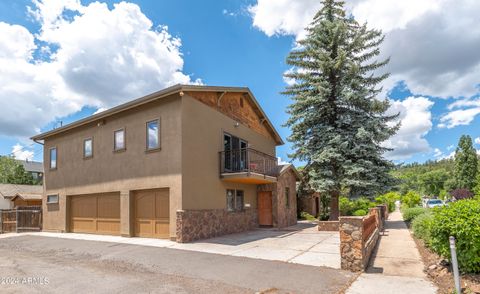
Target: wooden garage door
x=96 y=214
x=152 y=217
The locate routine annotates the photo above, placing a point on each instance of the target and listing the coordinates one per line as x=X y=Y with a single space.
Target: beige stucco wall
x=202 y=140
x=110 y=171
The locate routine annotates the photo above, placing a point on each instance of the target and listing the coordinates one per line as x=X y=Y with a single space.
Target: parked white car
x=433 y=203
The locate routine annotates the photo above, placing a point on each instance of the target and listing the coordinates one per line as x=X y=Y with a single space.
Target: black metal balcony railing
x=247 y=160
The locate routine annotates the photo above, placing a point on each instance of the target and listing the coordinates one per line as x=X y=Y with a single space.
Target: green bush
x=389 y=199
x=411 y=199
x=306 y=216
x=345 y=206
x=422 y=225
x=359 y=212
x=460 y=219
x=349 y=207
x=411 y=213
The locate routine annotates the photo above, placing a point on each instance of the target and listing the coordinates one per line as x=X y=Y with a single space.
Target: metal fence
x=21 y=219
x=248 y=160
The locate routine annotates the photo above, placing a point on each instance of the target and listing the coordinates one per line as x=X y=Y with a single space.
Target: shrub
x=460 y=194
x=422 y=225
x=460 y=219
x=348 y=207
x=411 y=213
x=389 y=199
x=359 y=212
x=411 y=199
x=345 y=206
x=306 y=216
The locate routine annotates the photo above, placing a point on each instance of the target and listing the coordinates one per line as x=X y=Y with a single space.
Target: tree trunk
x=334 y=207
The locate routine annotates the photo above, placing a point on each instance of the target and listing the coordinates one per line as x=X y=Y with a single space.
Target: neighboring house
x=12 y=195
x=185 y=163
x=34 y=168
x=309 y=203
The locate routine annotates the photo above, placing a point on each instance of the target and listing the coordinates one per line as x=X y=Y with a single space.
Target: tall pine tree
x=466 y=164
x=337 y=123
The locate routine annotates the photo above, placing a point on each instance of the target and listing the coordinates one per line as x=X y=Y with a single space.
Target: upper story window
x=119 y=140
x=88 y=148
x=53 y=158
x=153 y=134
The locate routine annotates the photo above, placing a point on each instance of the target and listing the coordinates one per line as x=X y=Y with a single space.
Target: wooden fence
x=21 y=219
x=369 y=226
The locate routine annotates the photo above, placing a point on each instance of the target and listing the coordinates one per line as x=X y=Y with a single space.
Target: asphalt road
x=57 y=265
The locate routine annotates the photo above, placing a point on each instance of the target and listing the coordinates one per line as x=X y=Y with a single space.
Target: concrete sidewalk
x=395 y=265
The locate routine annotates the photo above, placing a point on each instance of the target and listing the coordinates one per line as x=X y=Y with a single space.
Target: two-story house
x=185 y=163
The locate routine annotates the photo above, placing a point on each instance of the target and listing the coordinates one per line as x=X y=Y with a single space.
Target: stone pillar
x=351 y=246
x=355 y=248
x=126 y=213
x=383 y=212
x=180 y=227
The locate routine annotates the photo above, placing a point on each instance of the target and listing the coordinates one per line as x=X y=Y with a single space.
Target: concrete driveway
x=300 y=244
x=36 y=264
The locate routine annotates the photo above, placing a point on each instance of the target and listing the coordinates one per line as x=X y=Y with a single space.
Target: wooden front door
x=265 y=209
x=152 y=217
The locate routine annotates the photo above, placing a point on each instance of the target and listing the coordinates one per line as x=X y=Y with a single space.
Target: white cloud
x=451 y=155
x=477 y=140
x=283 y=17
x=281 y=161
x=437 y=152
x=416 y=122
x=228 y=13
x=461 y=112
x=432 y=43
x=100 y=57
x=458 y=117
x=19 y=152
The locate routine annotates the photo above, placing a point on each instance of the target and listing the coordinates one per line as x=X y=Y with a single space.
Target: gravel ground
x=71 y=266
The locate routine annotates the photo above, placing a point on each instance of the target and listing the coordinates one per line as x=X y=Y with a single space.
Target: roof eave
x=151 y=97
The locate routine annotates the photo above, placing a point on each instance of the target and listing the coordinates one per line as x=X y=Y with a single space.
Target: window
x=88 y=148
x=51 y=199
x=153 y=134
x=236 y=153
x=235 y=200
x=287 y=197
x=239 y=200
x=230 y=200
x=119 y=140
x=53 y=158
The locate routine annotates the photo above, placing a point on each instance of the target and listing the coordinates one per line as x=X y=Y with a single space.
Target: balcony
x=248 y=166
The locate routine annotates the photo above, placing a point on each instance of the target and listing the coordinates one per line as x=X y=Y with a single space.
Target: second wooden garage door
x=152 y=217
x=95 y=213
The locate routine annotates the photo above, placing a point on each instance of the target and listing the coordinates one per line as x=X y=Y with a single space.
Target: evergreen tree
x=466 y=164
x=337 y=123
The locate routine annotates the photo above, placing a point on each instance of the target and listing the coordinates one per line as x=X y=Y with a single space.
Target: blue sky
x=228 y=43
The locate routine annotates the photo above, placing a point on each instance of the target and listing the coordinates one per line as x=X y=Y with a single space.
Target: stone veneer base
x=328 y=225
x=203 y=224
